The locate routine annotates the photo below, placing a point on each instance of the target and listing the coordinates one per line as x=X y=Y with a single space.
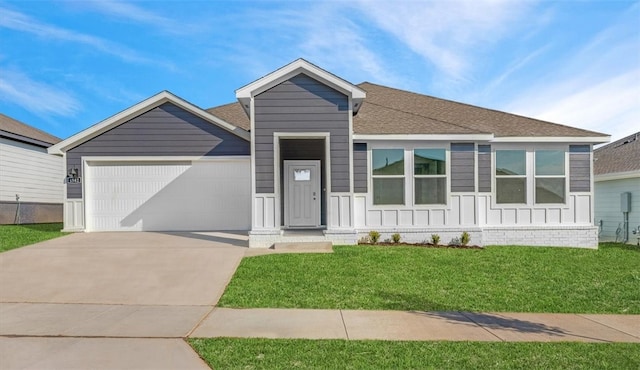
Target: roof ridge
x=620 y=142
x=479 y=107
x=431 y=118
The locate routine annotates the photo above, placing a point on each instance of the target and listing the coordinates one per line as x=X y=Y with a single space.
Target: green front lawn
x=515 y=279
x=15 y=236
x=226 y=353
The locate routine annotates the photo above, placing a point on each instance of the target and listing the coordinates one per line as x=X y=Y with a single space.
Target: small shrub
x=374 y=236
x=435 y=239
x=465 y=238
x=396 y=238
x=455 y=242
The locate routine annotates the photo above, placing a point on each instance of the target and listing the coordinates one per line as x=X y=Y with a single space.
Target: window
x=511 y=176
x=388 y=176
x=429 y=169
x=550 y=176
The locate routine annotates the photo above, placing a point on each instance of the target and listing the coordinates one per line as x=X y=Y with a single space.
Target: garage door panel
x=168 y=197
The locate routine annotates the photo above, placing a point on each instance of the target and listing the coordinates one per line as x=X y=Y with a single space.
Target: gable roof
x=16 y=130
x=136 y=110
x=390 y=111
x=298 y=66
x=618 y=157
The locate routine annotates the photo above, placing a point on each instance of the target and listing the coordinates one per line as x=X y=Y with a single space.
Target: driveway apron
x=87 y=292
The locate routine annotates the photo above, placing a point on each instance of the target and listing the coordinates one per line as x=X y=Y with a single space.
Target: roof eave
x=553 y=139
x=423 y=137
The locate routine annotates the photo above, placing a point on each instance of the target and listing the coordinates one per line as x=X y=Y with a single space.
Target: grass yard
x=15 y=236
x=515 y=279
x=227 y=353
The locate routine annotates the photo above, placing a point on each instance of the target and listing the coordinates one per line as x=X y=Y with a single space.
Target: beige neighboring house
x=617 y=189
x=31 y=181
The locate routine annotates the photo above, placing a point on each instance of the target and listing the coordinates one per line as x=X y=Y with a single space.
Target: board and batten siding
x=360 y=168
x=166 y=130
x=301 y=104
x=463 y=167
x=30 y=172
x=579 y=168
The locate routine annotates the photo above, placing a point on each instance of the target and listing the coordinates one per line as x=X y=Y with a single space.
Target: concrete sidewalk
x=415 y=325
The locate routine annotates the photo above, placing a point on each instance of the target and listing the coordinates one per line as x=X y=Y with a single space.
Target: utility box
x=625 y=202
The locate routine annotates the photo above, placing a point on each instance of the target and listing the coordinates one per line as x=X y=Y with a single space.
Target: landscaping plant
x=395 y=238
x=435 y=239
x=374 y=236
x=465 y=238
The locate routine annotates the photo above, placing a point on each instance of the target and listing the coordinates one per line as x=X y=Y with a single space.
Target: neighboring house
x=306 y=150
x=617 y=176
x=31 y=181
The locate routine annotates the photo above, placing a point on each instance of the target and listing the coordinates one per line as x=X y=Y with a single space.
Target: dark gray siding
x=484 y=168
x=463 y=167
x=301 y=104
x=360 y=168
x=166 y=130
x=579 y=168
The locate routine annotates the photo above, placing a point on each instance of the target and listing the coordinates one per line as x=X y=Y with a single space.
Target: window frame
x=446 y=175
x=564 y=176
x=403 y=177
x=530 y=149
x=496 y=176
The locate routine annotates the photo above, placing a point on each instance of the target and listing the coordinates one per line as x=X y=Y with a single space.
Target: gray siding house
x=306 y=155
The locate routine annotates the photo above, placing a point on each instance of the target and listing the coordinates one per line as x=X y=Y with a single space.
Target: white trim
x=552 y=139
x=247 y=92
x=277 y=186
x=482 y=137
x=617 y=176
x=136 y=110
x=162 y=158
x=425 y=137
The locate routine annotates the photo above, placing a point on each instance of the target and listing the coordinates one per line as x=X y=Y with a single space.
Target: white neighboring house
x=617 y=172
x=31 y=181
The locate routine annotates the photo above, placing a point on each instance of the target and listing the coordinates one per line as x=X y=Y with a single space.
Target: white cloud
x=597 y=88
x=21 y=22
x=37 y=97
x=132 y=12
x=447 y=33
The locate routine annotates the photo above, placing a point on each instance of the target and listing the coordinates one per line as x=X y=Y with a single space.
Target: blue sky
x=67 y=65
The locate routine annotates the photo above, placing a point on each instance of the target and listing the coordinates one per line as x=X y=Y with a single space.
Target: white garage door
x=168 y=196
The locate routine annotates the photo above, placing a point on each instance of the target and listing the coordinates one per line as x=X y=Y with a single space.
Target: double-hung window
x=388 y=176
x=430 y=176
x=550 y=176
x=511 y=176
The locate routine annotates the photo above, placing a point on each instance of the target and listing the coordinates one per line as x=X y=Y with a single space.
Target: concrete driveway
x=95 y=289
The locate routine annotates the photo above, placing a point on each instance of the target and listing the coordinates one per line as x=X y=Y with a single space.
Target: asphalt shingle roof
x=16 y=127
x=620 y=156
x=387 y=110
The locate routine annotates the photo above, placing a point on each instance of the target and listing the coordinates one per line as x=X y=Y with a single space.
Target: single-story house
x=617 y=189
x=31 y=189
x=306 y=155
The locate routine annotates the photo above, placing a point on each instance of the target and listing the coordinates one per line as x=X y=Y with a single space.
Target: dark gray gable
x=302 y=104
x=166 y=130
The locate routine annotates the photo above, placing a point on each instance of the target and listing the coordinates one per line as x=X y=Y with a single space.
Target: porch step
x=304 y=247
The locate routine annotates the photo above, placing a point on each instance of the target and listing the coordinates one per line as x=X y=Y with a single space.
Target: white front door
x=302 y=193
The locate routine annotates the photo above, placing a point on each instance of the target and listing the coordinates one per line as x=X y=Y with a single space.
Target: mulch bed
x=422 y=245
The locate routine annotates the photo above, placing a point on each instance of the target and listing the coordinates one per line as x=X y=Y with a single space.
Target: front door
x=302 y=193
